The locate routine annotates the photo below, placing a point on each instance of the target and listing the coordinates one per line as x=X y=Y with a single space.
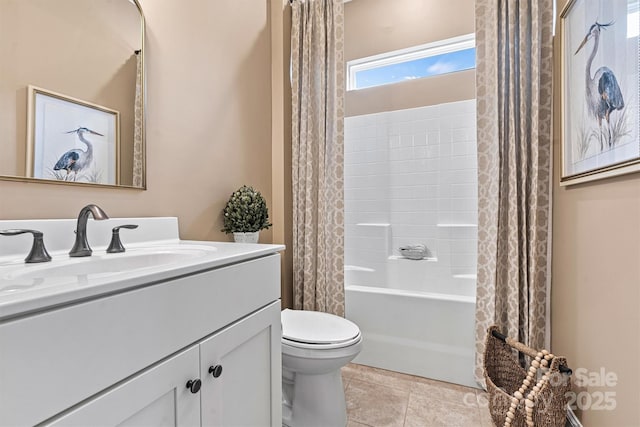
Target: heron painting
x=72 y=140
x=77 y=159
x=602 y=91
x=600 y=86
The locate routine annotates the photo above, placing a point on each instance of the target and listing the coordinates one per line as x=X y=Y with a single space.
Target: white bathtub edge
x=417 y=294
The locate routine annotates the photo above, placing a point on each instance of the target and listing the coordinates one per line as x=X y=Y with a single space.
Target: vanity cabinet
x=156 y=397
x=126 y=359
x=241 y=384
x=235 y=374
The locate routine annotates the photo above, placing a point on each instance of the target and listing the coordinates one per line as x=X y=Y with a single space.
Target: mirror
x=67 y=66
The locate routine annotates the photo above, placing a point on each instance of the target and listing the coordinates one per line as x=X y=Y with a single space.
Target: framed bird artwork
x=71 y=140
x=600 y=88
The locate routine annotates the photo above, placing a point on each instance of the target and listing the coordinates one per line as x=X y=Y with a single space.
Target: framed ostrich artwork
x=71 y=140
x=600 y=87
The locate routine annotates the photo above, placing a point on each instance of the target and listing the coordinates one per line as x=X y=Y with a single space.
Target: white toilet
x=315 y=346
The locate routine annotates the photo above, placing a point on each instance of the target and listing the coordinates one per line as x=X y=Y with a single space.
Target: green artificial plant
x=245 y=212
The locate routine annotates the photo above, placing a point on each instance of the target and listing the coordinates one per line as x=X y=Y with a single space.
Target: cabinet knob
x=216 y=371
x=194 y=385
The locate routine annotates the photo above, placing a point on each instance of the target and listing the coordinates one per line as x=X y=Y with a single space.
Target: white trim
x=572 y=419
x=439 y=47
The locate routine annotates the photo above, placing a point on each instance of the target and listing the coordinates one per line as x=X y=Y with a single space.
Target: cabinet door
x=156 y=397
x=247 y=391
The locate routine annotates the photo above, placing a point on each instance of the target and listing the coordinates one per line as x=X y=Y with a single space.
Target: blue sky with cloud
x=418 y=68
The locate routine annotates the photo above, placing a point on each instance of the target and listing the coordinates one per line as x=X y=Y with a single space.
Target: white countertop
x=27 y=288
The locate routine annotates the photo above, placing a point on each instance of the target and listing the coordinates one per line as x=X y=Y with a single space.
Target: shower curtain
x=514 y=100
x=317 y=78
x=138 y=152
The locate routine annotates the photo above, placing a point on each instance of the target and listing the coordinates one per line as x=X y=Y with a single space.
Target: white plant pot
x=250 y=237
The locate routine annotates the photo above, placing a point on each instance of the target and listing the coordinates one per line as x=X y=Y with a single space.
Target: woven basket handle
x=521 y=347
x=525 y=349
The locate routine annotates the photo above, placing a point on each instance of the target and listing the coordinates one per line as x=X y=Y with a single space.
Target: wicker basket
x=504 y=375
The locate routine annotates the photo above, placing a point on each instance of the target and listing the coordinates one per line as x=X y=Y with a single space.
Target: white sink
x=99 y=266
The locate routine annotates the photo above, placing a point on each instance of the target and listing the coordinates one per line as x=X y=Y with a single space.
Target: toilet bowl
x=314 y=347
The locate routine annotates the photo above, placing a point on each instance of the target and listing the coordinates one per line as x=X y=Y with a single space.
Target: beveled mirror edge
x=25 y=179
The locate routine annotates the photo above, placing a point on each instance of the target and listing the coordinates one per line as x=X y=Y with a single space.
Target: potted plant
x=245 y=215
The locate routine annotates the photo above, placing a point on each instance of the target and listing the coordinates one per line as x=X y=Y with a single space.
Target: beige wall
x=281 y=133
x=208 y=121
x=378 y=26
x=595 y=297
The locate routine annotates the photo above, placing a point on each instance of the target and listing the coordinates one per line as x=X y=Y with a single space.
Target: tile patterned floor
x=380 y=398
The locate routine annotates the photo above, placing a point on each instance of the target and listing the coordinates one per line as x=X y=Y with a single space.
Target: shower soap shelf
x=418 y=251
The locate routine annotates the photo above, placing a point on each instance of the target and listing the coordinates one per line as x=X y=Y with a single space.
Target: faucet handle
x=38 y=251
x=116 y=245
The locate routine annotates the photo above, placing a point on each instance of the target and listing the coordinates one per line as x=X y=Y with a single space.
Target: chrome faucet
x=81 y=246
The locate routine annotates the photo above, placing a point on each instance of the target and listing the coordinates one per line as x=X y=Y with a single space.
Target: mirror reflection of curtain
x=138 y=153
x=317 y=154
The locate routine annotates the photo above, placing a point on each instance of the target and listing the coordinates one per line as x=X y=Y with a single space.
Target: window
x=445 y=56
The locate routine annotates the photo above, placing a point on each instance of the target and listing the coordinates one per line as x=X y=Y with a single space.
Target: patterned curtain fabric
x=138 y=152
x=514 y=99
x=317 y=78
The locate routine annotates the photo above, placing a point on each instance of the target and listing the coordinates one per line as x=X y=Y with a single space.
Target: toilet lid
x=313 y=327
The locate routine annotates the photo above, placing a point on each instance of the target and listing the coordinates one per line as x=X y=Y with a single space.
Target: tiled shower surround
x=411 y=177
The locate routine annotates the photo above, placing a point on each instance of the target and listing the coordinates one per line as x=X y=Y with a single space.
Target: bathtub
x=420 y=323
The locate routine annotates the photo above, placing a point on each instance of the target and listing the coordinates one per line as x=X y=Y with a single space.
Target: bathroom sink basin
x=102 y=266
x=98 y=265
